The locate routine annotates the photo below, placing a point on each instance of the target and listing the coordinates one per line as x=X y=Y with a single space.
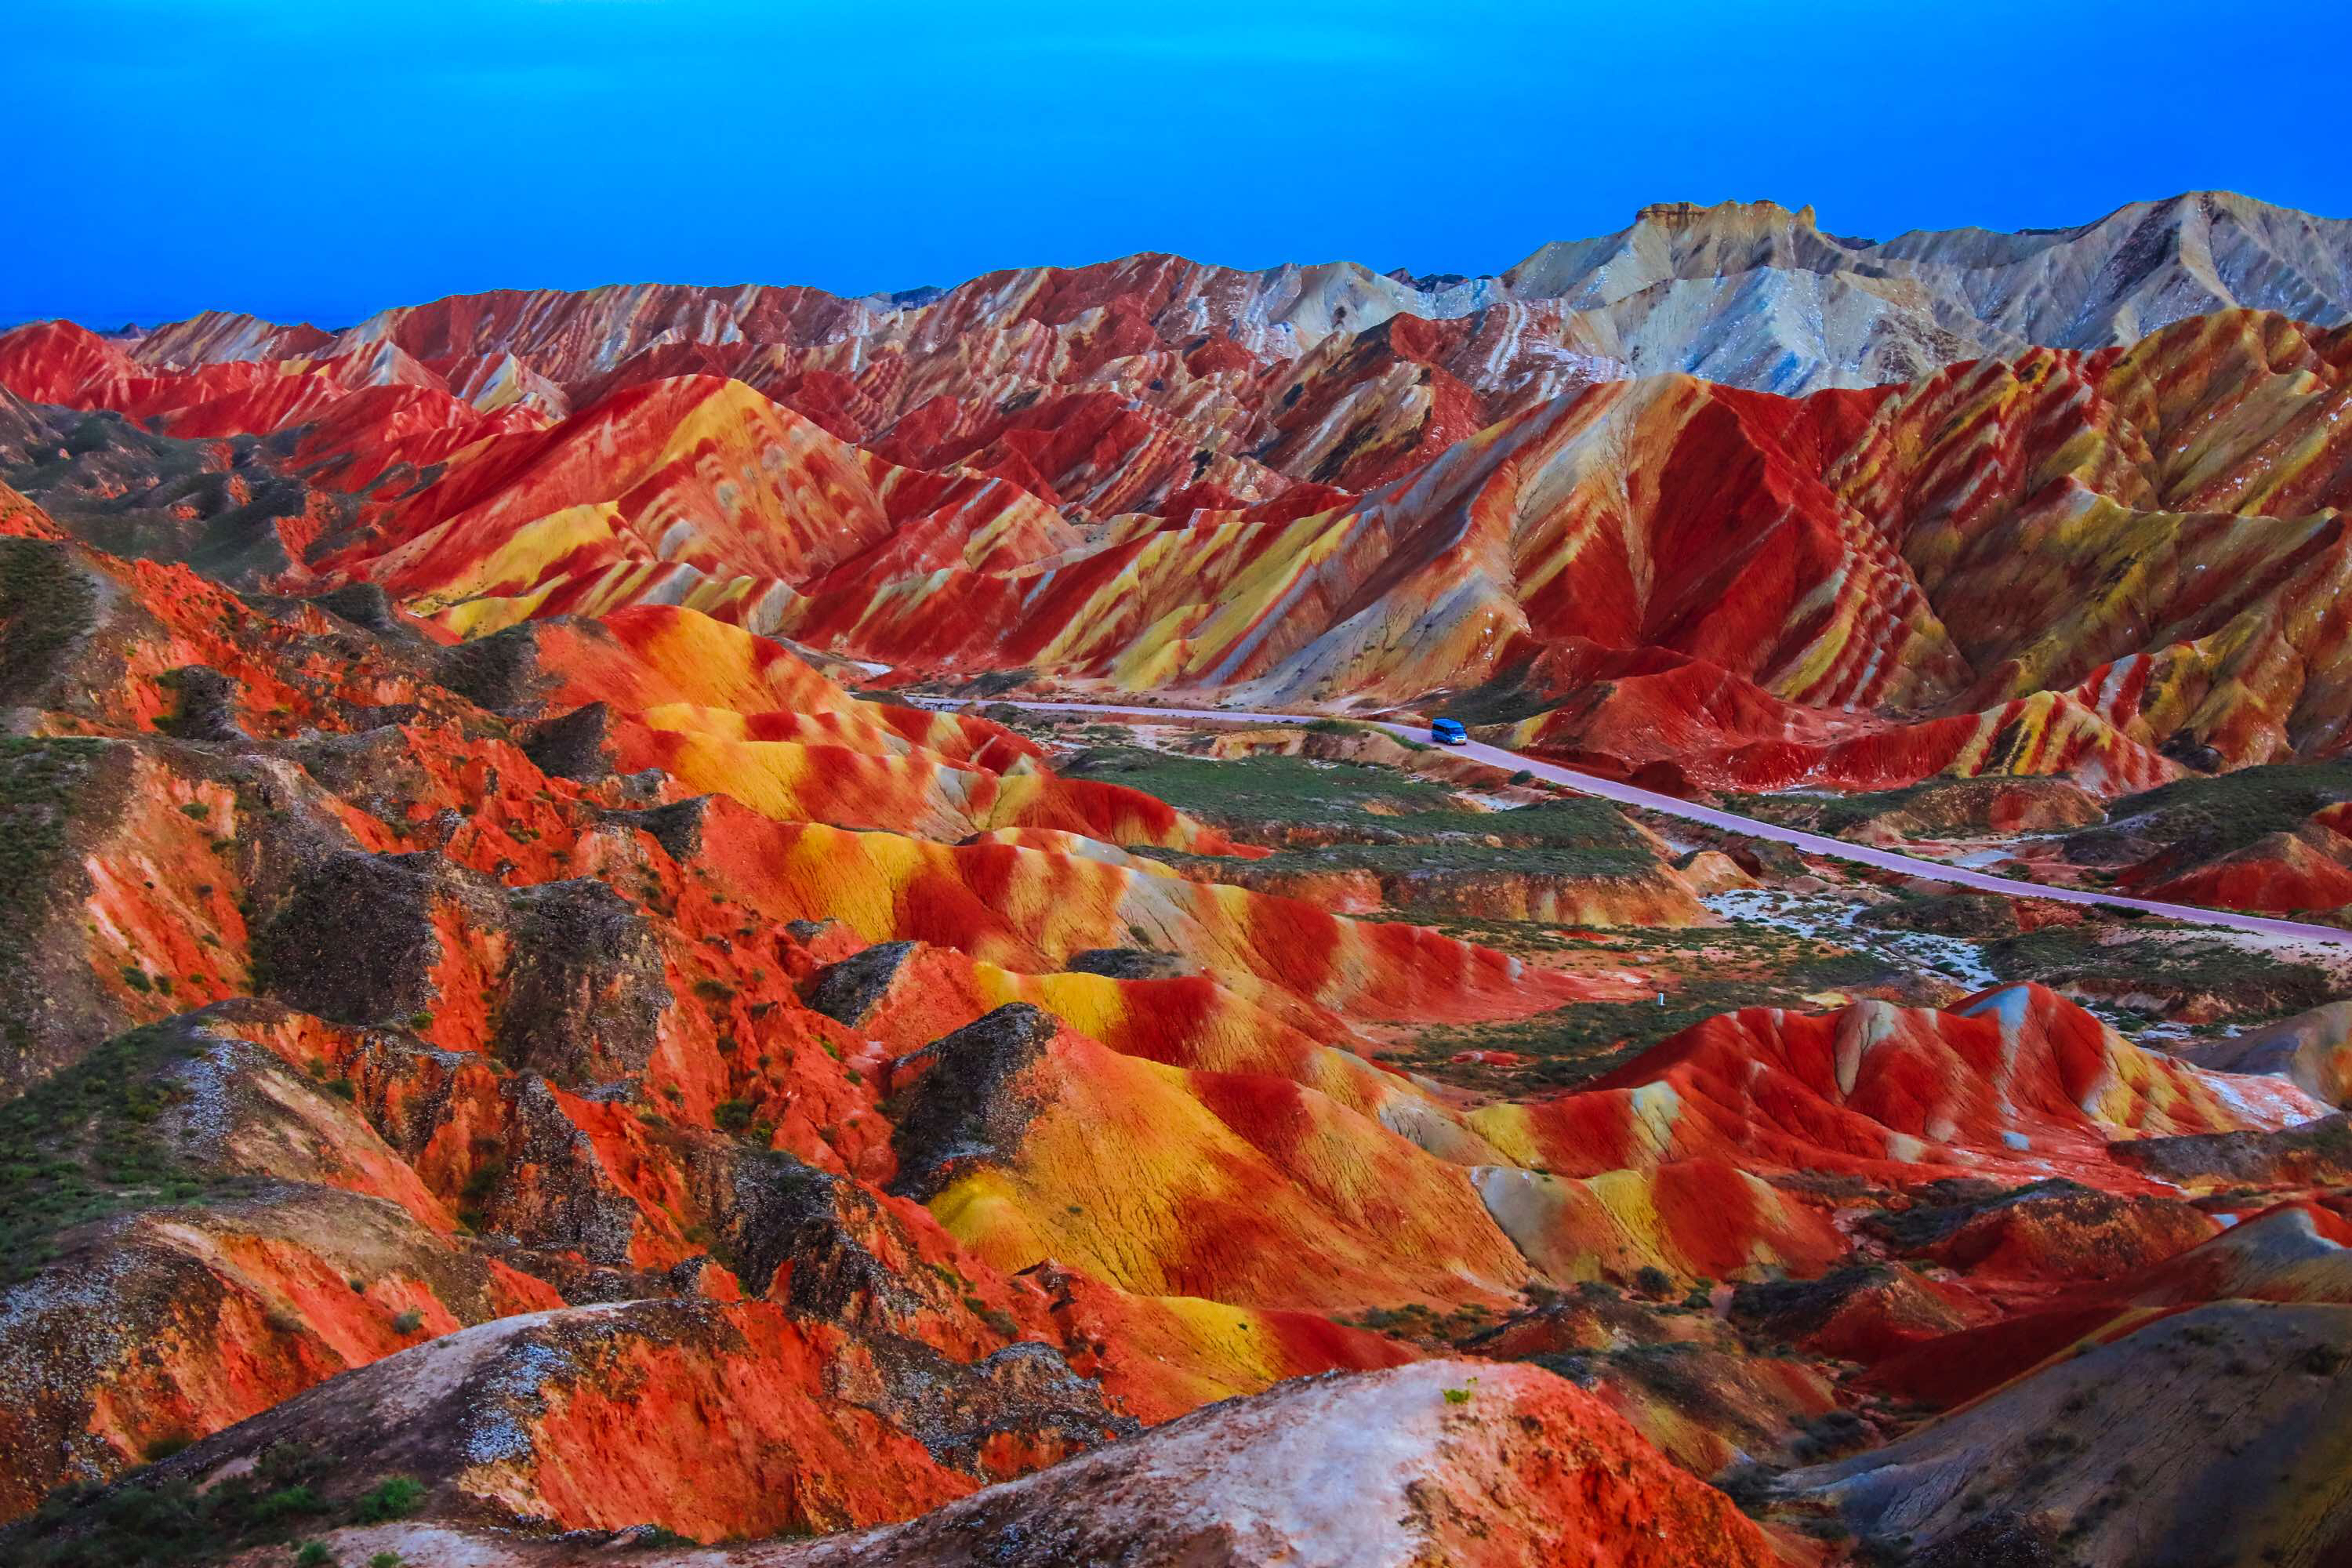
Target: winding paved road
x=1669 y=806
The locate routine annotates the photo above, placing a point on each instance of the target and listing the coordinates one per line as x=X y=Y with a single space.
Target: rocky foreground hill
x=525 y=1045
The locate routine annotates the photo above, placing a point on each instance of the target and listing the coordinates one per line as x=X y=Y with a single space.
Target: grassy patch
x=45 y=604
x=1362 y=804
x=38 y=781
x=171 y=1521
x=1584 y=1040
x=396 y=1497
x=2161 y=965
x=1829 y=814
x=82 y=1144
x=1444 y=858
x=1717 y=970
x=1353 y=818
x=1505 y=698
x=2208 y=816
x=1267 y=789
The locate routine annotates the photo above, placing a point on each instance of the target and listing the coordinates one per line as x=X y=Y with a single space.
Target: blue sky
x=321 y=158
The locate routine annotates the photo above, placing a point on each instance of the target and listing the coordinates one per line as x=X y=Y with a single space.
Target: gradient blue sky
x=322 y=158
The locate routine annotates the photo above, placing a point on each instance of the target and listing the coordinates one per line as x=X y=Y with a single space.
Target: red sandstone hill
x=421 y=1037
x=1852 y=589
x=508 y=1059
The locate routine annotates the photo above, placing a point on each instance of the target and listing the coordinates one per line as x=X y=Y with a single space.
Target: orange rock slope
x=487 y=1008
x=541 y=1047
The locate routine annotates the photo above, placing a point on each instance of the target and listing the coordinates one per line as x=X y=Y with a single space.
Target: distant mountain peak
x=1752 y=214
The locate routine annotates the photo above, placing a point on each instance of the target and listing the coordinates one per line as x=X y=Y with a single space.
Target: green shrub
x=83 y=1143
x=314 y=1554
x=92 y=433
x=169 y=1525
x=408 y=1322
x=394 y=1496
x=288 y=1502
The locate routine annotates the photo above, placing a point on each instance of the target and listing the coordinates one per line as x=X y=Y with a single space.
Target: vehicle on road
x=1449 y=732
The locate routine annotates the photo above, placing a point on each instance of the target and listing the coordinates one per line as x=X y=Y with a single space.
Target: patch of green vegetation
x=1505 y=699
x=1831 y=814
x=2161 y=964
x=1409 y=835
x=2205 y=816
x=45 y=604
x=1579 y=861
x=1423 y=1324
x=1584 y=1040
x=1381 y=820
x=82 y=1144
x=42 y=783
x=394 y=1496
x=651 y=1537
x=93 y=432
x=171 y=1521
x=1356 y=818
x=1264 y=789
x=479 y=1186
x=38 y=782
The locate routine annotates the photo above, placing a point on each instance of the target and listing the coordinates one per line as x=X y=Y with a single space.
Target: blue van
x=1449 y=732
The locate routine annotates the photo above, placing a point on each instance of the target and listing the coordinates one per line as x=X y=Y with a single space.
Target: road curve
x=1670 y=806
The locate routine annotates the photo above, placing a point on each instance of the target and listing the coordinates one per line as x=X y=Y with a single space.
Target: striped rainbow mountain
x=521 y=1047
x=1722 y=493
